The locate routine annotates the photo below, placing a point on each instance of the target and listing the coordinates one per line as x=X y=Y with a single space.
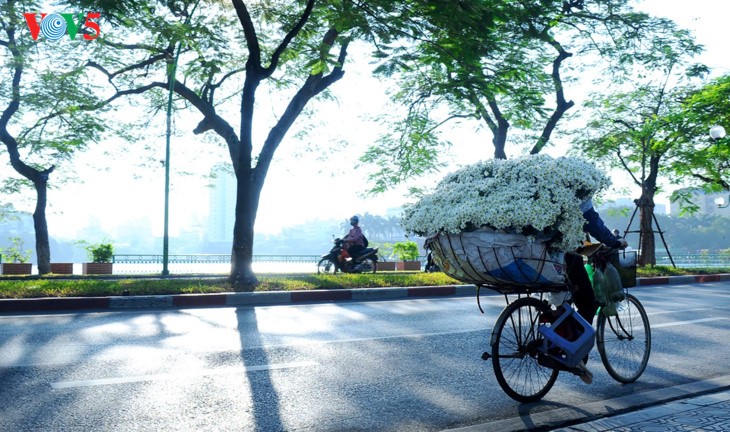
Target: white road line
x=679 y=310
x=307 y=342
x=678 y=323
x=171 y=376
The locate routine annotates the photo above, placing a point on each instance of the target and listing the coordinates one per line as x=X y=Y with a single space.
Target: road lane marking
x=679 y=310
x=309 y=342
x=171 y=376
x=678 y=323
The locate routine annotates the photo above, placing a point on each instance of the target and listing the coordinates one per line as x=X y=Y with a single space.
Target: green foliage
x=700 y=161
x=15 y=253
x=406 y=251
x=385 y=249
x=504 y=66
x=410 y=150
x=100 y=252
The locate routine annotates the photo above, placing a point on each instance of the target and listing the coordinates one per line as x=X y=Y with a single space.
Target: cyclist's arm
x=594 y=226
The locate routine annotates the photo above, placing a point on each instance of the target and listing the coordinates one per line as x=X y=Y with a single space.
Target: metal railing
x=210 y=259
x=696 y=260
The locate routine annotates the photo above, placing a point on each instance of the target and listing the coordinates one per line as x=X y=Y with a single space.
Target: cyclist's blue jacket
x=594 y=225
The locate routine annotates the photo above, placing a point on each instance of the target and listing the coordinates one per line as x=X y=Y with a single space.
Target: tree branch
x=561 y=104
x=249 y=31
x=314 y=85
x=289 y=37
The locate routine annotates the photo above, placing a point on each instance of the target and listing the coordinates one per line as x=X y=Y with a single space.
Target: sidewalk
x=698 y=406
x=710 y=412
x=271 y=298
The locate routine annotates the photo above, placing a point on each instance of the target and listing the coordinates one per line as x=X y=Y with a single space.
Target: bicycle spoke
x=624 y=341
x=514 y=353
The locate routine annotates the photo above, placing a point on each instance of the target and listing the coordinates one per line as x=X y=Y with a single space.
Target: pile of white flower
x=534 y=195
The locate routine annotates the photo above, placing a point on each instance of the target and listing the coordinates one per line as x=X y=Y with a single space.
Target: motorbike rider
x=354 y=241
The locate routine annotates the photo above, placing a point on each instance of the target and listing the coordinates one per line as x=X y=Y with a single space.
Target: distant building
x=659 y=208
x=222 y=208
x=707 y=203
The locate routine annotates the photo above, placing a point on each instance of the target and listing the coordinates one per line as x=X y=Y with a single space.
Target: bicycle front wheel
x=624 y=340
x=515 y=341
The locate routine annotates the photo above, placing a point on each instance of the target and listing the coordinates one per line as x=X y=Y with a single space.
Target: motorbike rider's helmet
x=354 y=220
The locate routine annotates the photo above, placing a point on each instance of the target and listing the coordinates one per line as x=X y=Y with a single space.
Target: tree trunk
x=646 y=234
x=242 y=276
x=40 y=181
x=42 y=244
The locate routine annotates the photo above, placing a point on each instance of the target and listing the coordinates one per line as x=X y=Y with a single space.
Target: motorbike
x=364 y=262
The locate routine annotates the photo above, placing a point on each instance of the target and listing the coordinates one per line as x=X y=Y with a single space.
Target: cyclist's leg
x=584 y=300
x=583 y=297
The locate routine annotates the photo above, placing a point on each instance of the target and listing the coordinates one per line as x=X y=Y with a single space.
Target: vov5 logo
x=54 y=26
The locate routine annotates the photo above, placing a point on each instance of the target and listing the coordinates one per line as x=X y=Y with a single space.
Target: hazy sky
x=328 y=186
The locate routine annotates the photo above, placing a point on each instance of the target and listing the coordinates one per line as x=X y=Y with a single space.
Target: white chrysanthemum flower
x=532 y=195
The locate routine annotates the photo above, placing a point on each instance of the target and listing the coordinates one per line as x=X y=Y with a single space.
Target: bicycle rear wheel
x=624 y=340
x=514 y=351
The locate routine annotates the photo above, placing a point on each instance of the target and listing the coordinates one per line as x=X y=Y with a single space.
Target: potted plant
x=62 y=268
x=100 y=255
x=385 y=251
x=407 y=253
x=18 y=258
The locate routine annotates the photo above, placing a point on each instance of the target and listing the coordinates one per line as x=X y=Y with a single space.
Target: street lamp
x=717 y=133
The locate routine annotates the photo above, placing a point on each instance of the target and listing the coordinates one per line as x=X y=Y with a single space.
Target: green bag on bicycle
x=599 y=286
x=614 y=288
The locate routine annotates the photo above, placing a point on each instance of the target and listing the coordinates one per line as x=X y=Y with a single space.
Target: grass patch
x=650 y=271
x=34 y=286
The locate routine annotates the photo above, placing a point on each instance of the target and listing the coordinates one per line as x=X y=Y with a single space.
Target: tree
x=225 y=55
x=700 y=161
x=40 y=125
x=636 y=130
x=498 y=63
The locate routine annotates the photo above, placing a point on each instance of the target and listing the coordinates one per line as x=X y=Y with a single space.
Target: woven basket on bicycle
x=504 y=262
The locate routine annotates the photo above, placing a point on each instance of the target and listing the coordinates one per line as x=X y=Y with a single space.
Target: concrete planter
x=97 y=268
x=62 y=268
x=17 y=268
x=409 y=265
x=386 y=265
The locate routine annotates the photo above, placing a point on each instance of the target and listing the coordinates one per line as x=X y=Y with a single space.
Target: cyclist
x=583 y=297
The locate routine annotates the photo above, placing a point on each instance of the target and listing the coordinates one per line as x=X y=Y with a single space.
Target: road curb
x=271 y=298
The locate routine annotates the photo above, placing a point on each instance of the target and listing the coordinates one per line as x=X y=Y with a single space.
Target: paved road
x=388 y=365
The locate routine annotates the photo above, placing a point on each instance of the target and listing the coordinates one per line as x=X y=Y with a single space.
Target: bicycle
x=526 y=366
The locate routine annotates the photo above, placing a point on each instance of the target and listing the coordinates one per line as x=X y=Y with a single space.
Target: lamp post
x=168 y=132
x=717 y=133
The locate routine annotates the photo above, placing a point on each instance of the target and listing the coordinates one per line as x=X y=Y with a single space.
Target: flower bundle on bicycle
x=507 y=222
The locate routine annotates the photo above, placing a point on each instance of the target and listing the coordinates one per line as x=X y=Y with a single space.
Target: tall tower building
x=222 y=208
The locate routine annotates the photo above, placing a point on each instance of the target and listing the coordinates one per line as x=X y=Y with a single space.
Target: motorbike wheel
x=373 y=264
x=325 y=266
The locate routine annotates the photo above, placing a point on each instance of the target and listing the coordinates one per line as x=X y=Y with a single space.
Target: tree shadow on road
x=264 y=397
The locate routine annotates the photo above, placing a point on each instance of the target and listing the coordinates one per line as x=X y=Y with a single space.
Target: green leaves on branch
x=410 y=150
